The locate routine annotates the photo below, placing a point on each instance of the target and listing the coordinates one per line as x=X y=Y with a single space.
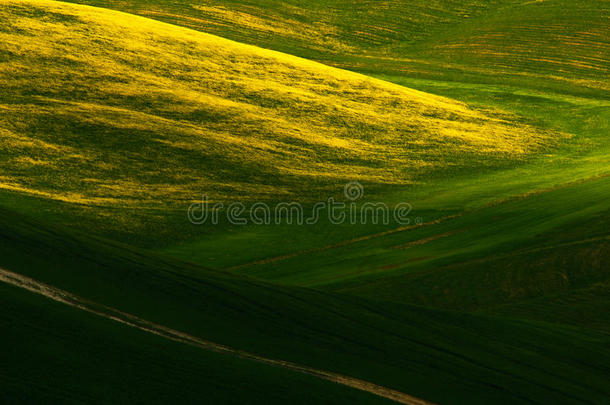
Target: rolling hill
x=490 y=118
x=554 y=44
x=440 y=356
x=193 y=112
x=117 y=364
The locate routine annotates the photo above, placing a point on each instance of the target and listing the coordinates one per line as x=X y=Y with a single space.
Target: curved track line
x=72 y=300
x=342 y=243
x=410 y=227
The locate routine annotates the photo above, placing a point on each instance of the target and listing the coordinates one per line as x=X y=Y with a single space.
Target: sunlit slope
x=481 y=41
x=320 y=27
x=99 y=106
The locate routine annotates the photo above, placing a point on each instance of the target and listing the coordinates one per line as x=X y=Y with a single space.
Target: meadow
x=490 y=118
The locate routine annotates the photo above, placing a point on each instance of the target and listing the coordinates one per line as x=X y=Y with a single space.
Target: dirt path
x=67 y=298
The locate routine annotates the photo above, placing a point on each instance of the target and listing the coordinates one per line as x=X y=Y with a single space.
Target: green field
x=489 y=118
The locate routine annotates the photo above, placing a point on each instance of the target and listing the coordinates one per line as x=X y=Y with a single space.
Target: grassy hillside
x=536 y=44
x=321 y=27
x=445 y=357
x=108 y=108
x=549 y=245
x=562 y=40
x=404 y=59
x=491 y=118
x=61 y=355
x=127 y=156
x=543 y=220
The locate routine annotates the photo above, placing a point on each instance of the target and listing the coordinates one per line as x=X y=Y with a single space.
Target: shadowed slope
x=62 y=355
x=564 y=40
x=64 y=297
x=549 y=249
x=439 y=356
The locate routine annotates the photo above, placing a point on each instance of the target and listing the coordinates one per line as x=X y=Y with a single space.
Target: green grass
x=446 y=357
x=112 y=124
x=323 y=28
x=563 y=215
x=535 y=44
x=154 y=173
x=106 y=118
x=62 y=355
